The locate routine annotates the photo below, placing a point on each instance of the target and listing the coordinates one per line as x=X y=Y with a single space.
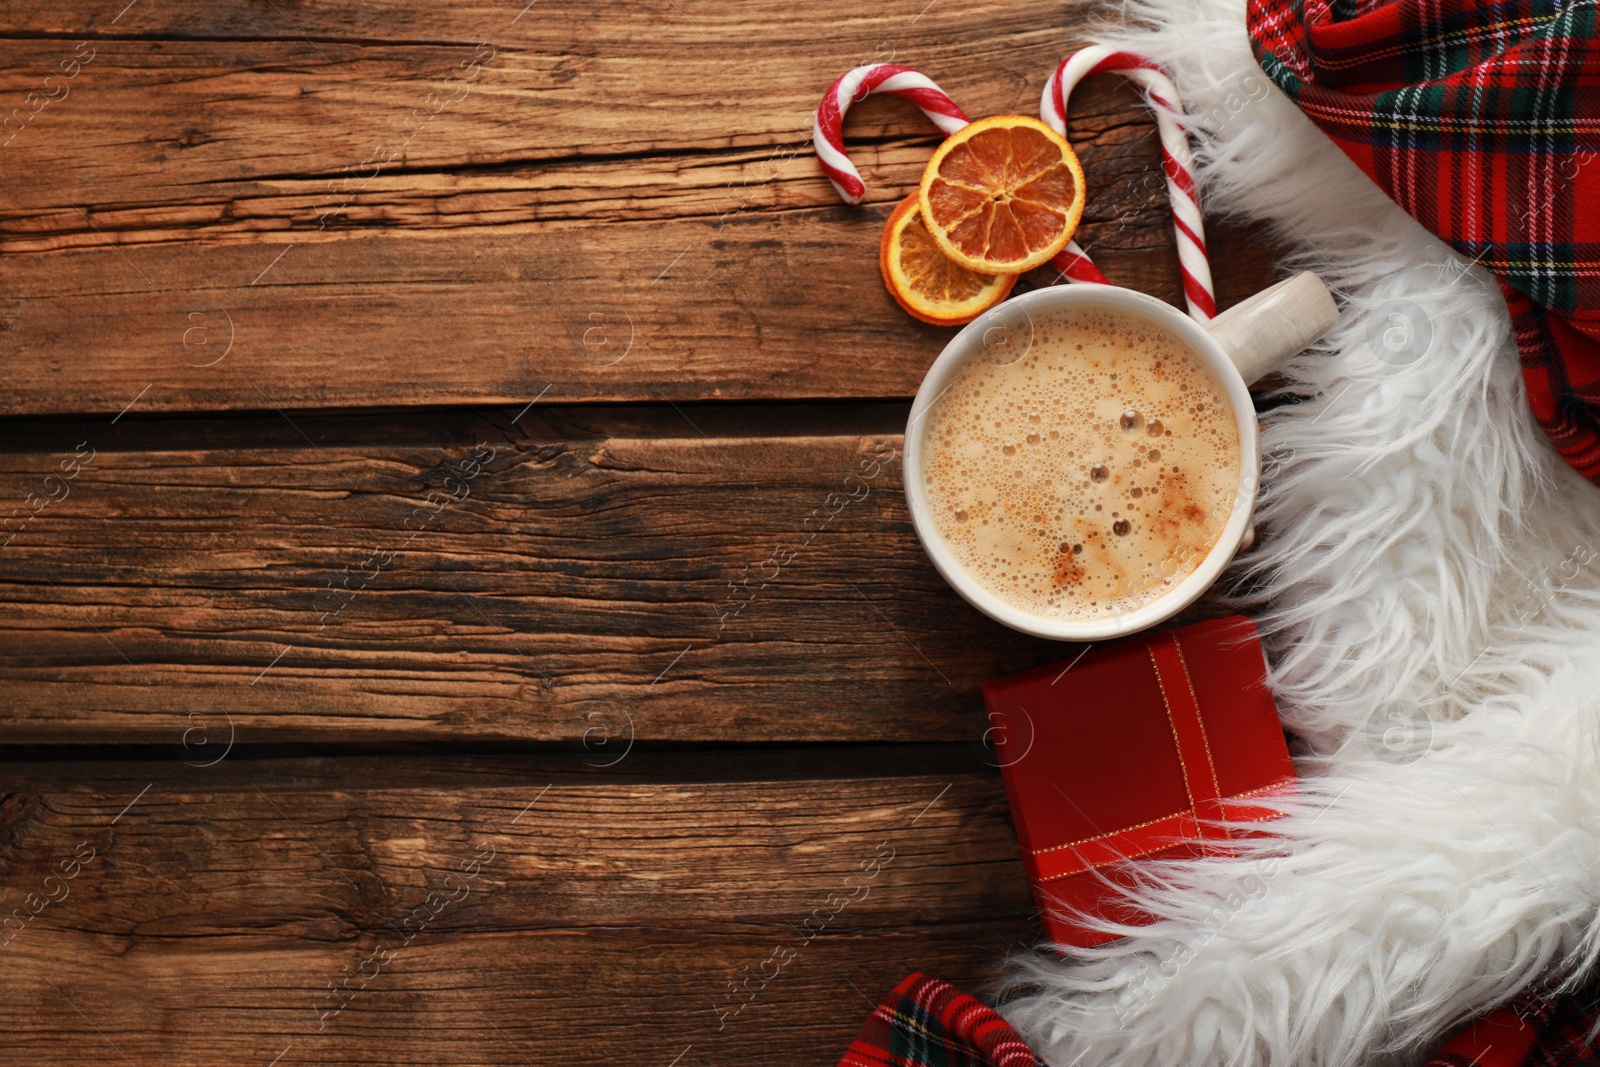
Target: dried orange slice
x=1003 y=194
x=924 y=281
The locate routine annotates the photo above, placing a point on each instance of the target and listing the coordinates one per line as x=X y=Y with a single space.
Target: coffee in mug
x=1021 y=359
x=1084 y=469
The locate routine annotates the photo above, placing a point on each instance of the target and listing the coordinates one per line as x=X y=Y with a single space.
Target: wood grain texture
x=671 y=585
x=631 y=178
x=677 y=576
x=215 y=916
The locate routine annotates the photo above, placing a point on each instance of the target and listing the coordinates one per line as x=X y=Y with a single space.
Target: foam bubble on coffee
x=1090 y=476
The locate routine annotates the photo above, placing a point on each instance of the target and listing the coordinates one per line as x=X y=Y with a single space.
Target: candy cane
x=827 y=131
x=1075 y=266
x=827 y=135
x=1176 y=159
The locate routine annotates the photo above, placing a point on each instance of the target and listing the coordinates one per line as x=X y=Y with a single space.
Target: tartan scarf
x=1533 y=1031
x=1482 y=120
x=924 y=1022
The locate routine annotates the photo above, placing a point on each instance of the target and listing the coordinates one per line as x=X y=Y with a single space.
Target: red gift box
x=1135 y=749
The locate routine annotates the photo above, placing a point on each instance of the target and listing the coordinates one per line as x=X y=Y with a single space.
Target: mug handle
x=1262 y=331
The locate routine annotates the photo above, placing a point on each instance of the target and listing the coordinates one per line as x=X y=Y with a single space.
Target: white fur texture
x=1428 y=587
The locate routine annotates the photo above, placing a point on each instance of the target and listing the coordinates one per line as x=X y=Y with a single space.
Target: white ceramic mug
x=1239 y=346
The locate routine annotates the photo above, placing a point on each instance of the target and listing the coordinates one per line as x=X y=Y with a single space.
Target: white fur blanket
x=1430 y=594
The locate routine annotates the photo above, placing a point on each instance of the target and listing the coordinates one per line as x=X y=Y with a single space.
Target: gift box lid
x=1136 y=746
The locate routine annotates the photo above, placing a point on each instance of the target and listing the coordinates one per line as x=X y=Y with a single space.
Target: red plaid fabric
x=1535 y=1031
x=924 y=1022
x=1482 y=120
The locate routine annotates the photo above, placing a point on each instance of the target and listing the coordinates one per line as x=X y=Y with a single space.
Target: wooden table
x=459 y=601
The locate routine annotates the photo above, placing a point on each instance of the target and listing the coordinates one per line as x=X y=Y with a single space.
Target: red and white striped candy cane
x=827 y=135
x=827 y=131
x=1176 y=158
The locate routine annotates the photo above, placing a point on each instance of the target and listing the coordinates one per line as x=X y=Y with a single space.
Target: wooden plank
x=664 y=584
x=591 y=996
x=677 y=577
x=193 y=225
x=252 y=90
x=785 y=307
x=232 y=914
x=623 y=80
x=893 y=26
